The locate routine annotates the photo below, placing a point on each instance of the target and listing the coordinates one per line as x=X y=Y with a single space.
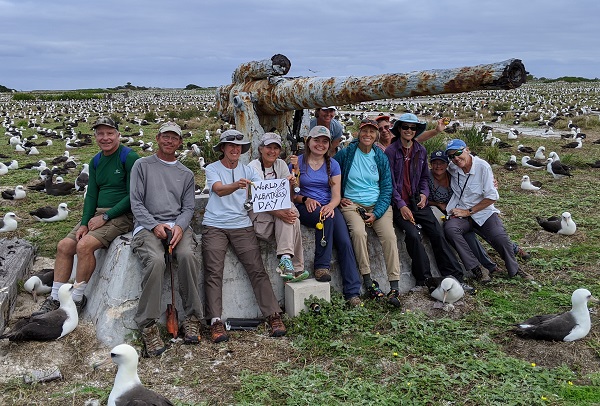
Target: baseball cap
x=439 y=155
x=368 y=121
x=170 y=126
x=382 y=117
x=105 y=121
x=318 y=131
x=455 y=144
x=270 y=138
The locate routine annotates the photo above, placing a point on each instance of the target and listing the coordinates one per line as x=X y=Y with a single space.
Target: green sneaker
x=299 y=276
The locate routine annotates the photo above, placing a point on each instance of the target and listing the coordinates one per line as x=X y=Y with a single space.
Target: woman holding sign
x=317 y=202
x=226 y=221
x=284 y=224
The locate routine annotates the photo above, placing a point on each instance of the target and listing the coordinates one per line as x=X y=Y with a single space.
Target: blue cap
x=439 y=155
x=455 y=144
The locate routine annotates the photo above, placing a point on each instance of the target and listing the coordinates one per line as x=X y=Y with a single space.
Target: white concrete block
x=296 y=293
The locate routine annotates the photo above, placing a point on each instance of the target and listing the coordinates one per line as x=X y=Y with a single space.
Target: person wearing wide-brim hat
x=422 y=134
x=410 y=172
x=226 y=221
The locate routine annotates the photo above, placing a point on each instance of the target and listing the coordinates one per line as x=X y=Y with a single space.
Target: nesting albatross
x=48 y=326
x=40 y=283
x=49 y=214
x=561 y=225
x=128 y=389
x=569 y=326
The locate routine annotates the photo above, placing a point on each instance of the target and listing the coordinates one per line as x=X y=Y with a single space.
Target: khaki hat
x=233 y=137
x=170 y=126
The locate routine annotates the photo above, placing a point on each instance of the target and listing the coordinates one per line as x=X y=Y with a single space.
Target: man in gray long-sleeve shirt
x=162 y=198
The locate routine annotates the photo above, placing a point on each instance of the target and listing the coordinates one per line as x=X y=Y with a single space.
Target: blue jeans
x=336 y=234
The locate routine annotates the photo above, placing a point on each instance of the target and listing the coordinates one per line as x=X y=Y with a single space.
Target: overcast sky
x=68 y=44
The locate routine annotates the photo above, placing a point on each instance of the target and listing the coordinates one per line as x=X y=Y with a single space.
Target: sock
x=367 y=280
x=55 y=287
x=214 y=320
x=77 y=293
x=394 y=285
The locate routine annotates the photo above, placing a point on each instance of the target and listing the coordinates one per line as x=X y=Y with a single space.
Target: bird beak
x=445 y=294
x=99 y=364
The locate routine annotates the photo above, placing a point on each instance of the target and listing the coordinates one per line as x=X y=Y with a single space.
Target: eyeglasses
x=456 y=153
x=408 y=127
x=238 y=137
x=167 y=137
x=384 y=128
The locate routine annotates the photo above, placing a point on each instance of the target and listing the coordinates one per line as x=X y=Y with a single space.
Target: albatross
x=569 y=326
x=9 y=222
x=446 y=290
x=50 y=214
x=40 y=283
x=560 y=225
x=127 y=388
x=48 y=326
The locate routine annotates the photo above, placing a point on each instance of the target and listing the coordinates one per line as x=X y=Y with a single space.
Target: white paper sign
x=273 y=194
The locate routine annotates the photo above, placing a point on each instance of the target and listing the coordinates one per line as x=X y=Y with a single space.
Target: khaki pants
x=151 y=252
x=109 y=231
x=384 y=228
x=288 y=237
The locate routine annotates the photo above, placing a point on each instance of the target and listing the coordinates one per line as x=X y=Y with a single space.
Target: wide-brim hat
x=233 y=137
x=408 y=118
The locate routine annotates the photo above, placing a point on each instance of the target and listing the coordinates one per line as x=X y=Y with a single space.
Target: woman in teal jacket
x=366 y=196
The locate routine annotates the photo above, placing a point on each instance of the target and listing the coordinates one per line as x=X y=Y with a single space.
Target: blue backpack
x=122 y=156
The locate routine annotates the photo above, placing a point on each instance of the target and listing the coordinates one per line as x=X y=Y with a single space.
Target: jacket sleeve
x=385 y=185
x=90 y=203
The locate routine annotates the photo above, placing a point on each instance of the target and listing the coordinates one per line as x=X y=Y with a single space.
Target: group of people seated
x=381 y=179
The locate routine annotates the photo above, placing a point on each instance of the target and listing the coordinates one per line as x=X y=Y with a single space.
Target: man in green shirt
x=106 y=214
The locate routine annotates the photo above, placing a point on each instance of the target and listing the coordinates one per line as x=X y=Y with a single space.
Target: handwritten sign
x=273 y=194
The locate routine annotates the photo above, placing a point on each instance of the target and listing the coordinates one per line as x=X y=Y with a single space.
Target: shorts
x=109 y=231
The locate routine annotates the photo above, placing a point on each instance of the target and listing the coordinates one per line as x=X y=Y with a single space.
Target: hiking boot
x=153 y=344
x=217 y=332
x=322 y=275
x=286 y=268
x=525 y=275
x=374 y=291
x=521 y=253
x=354 y=301
x=299 y=276
x=468 y=288
x=276 y=325
x=482 y=275
x=392 y=298
x=81 y=305
x=191 y=330
x=48 y=306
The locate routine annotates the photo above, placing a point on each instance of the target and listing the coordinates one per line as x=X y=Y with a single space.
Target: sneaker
x=521 y=253
x=354 y=301
x=286 y=268
x=191 y=330
x=322 y=275
x=81 y=305
x=299 y=276
x=153 y=344
x=374 y=291
x=276 y=325
x=482 y=275
x=392 y=298
x=217 y=332
x=468 y=288
x=48 y=306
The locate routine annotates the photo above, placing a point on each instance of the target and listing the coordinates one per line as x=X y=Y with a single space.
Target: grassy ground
x=375 y=354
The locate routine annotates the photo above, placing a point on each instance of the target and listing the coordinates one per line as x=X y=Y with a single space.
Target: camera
x=362 y=212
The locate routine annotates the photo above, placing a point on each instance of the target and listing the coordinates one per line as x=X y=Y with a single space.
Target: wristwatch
x=470 y=212
x=105 y=217
x=304 y=199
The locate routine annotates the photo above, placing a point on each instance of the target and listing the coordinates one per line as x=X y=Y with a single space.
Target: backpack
x=122 y=156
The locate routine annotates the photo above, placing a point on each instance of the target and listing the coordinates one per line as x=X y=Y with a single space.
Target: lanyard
x=462 y=190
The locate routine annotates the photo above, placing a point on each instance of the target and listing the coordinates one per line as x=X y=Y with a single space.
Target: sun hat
x=107 y=121
x=439 y=155
x=318 y=131
x=170 y=126
x=329 y=108
x=408 y=118
x=233 y=137
x=455 y=144
x=270 y=138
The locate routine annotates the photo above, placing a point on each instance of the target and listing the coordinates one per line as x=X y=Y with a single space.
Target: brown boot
x=153 y=344
x=482 y=275
x=276 y=325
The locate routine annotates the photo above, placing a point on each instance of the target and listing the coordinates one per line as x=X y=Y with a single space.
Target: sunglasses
x=371 y=122
x=408 y=127
x=456 y=153
x=238 y=137
x=384 y=128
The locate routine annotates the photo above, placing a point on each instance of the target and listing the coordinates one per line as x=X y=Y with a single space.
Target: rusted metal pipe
x=277 y=95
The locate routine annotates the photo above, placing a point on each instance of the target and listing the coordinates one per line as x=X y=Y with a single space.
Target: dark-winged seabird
x=527 y=162
x=9 y=222
x=58 y=188
x=17 y=193
x=569 y=326
x=50 y=214
x=48 y=326
x=40 y=283
x=561 y=225
x=557 y=169
x=83 y=178
x=528 y=184
x=127 y=388
x=525 y=150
